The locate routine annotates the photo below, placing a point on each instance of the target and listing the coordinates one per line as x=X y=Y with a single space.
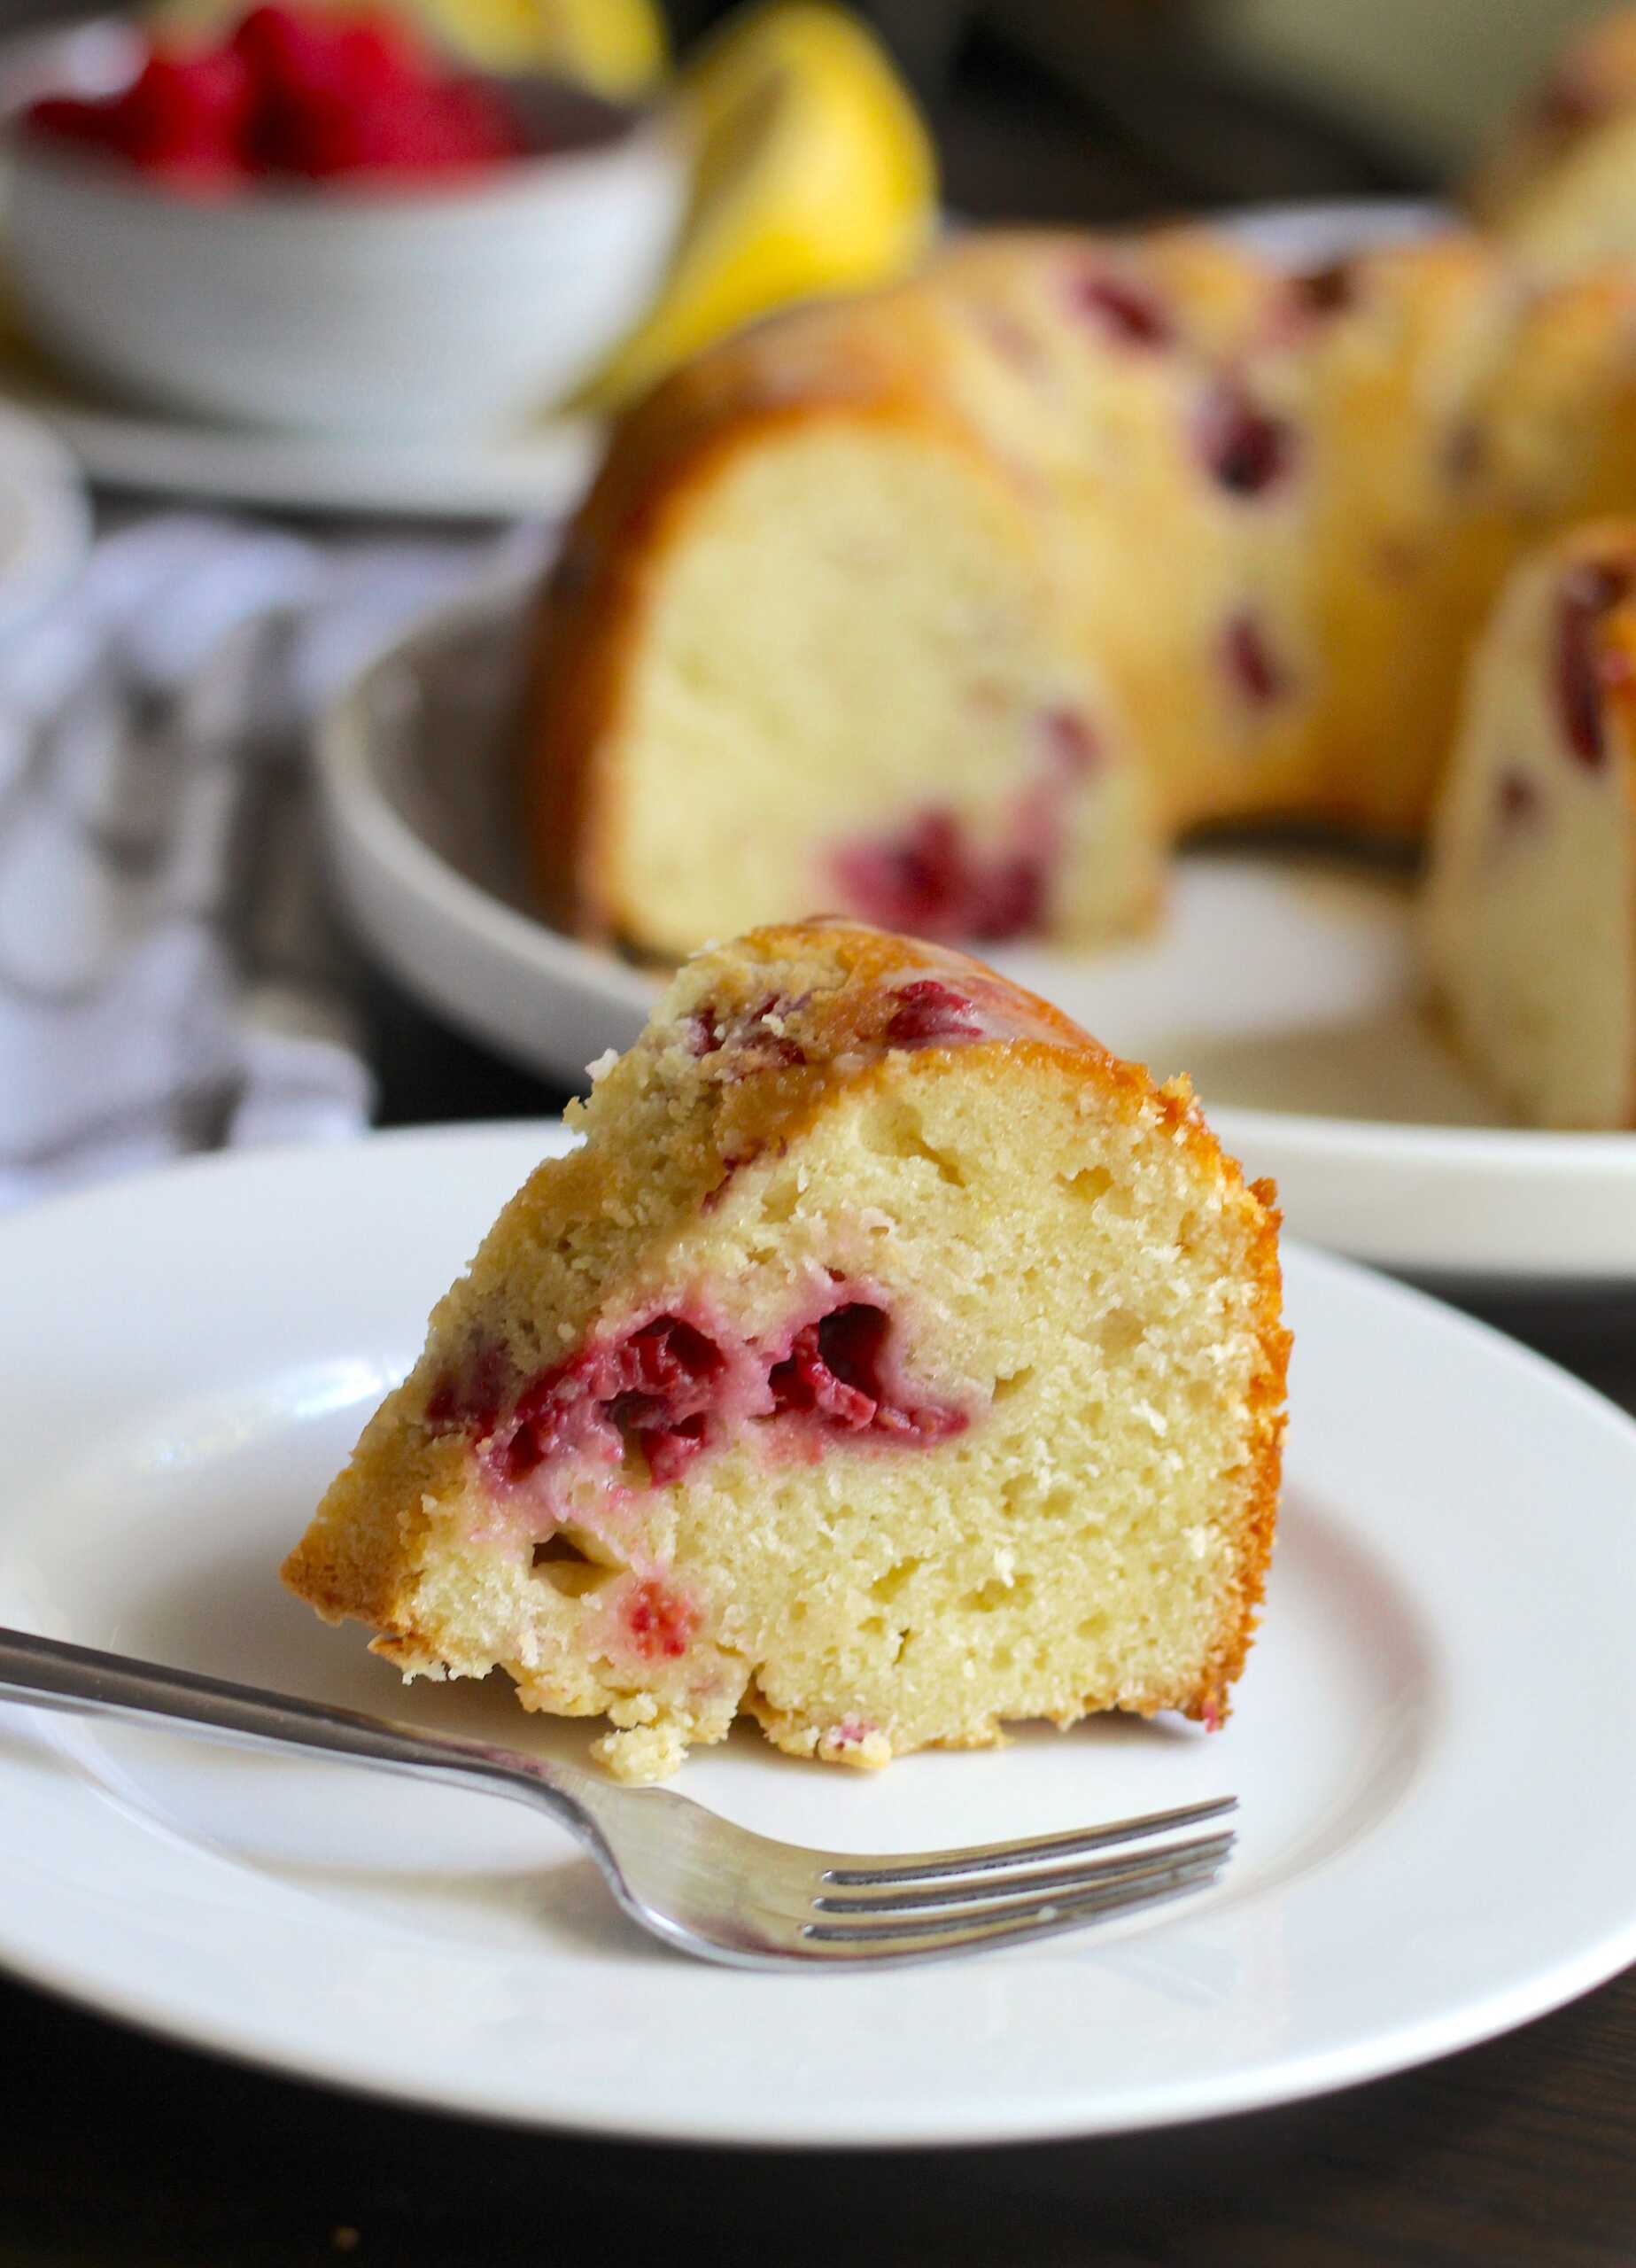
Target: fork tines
x=943 y=1901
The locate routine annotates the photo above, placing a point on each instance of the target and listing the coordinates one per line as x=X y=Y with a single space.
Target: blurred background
x=241 y=507
x=1087 y=109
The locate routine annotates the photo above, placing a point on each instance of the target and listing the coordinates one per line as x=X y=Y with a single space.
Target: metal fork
x=696 y=1881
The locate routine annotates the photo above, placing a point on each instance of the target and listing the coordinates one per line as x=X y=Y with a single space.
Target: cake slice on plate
x=1531 y=902
x=890 y=1362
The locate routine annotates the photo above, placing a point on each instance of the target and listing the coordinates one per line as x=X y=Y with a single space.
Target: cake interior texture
x=956 y=608
x=1530 y=911
x=889 y=1362
x=899 y=603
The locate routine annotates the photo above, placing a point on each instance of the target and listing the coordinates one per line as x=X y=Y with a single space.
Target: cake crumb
x=643 y=1754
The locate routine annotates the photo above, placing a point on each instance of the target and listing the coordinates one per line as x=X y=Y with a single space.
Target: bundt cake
x=1531 y=898
x=950 y=608
x=890 y=1361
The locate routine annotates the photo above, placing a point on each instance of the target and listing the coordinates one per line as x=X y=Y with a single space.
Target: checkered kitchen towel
x=169 y=980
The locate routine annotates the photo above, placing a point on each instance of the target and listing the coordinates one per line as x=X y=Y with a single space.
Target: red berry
x=932 y=881
x=659 y=1621
x=836 y=1371
x=1250 y=663
x=288 y=49
x=1588 y=593
x=928 y=1012
x=185 y=114
x=750 y=1035
x=1074 y=743
x=67 y=119
x=1126 y=310
x=1247 y=450
x=1517 y=798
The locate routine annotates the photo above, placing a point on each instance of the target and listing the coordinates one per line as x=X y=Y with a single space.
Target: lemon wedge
x=615 y=47
x=814 y=173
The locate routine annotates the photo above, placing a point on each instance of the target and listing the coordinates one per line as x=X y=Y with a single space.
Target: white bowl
x=346 y=309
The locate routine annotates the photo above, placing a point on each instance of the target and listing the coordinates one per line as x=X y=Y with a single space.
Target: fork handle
x=48 y=1674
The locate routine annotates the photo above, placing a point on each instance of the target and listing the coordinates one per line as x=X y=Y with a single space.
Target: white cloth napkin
x=169 y=978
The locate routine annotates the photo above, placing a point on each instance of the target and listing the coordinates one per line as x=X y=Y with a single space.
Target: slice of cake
x=805 y=646
x=890 y=1362
x=1530 y=903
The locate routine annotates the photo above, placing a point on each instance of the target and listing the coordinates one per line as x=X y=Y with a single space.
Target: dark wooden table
x=116 y=2148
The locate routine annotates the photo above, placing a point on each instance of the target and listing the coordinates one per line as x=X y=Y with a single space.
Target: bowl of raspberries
x=320 y=223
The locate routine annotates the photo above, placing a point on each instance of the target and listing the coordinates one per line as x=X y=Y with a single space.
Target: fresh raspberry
x=66 y=119
x=185 y=115
x=296 y=93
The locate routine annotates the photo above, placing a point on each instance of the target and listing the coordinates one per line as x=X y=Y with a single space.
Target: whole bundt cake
x=950 y=609
x=889 y=1362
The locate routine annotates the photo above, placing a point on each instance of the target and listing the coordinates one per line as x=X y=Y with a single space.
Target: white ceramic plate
x=542 y=468
x=1286 y=985
x=1430 y=1742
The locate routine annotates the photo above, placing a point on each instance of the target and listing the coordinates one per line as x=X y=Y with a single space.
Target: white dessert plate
x=1287 y=984
x=542 y=468
x=1431 y=1743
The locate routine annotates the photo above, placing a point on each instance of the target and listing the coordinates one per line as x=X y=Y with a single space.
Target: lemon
x=615 y=47
x=814 y=173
